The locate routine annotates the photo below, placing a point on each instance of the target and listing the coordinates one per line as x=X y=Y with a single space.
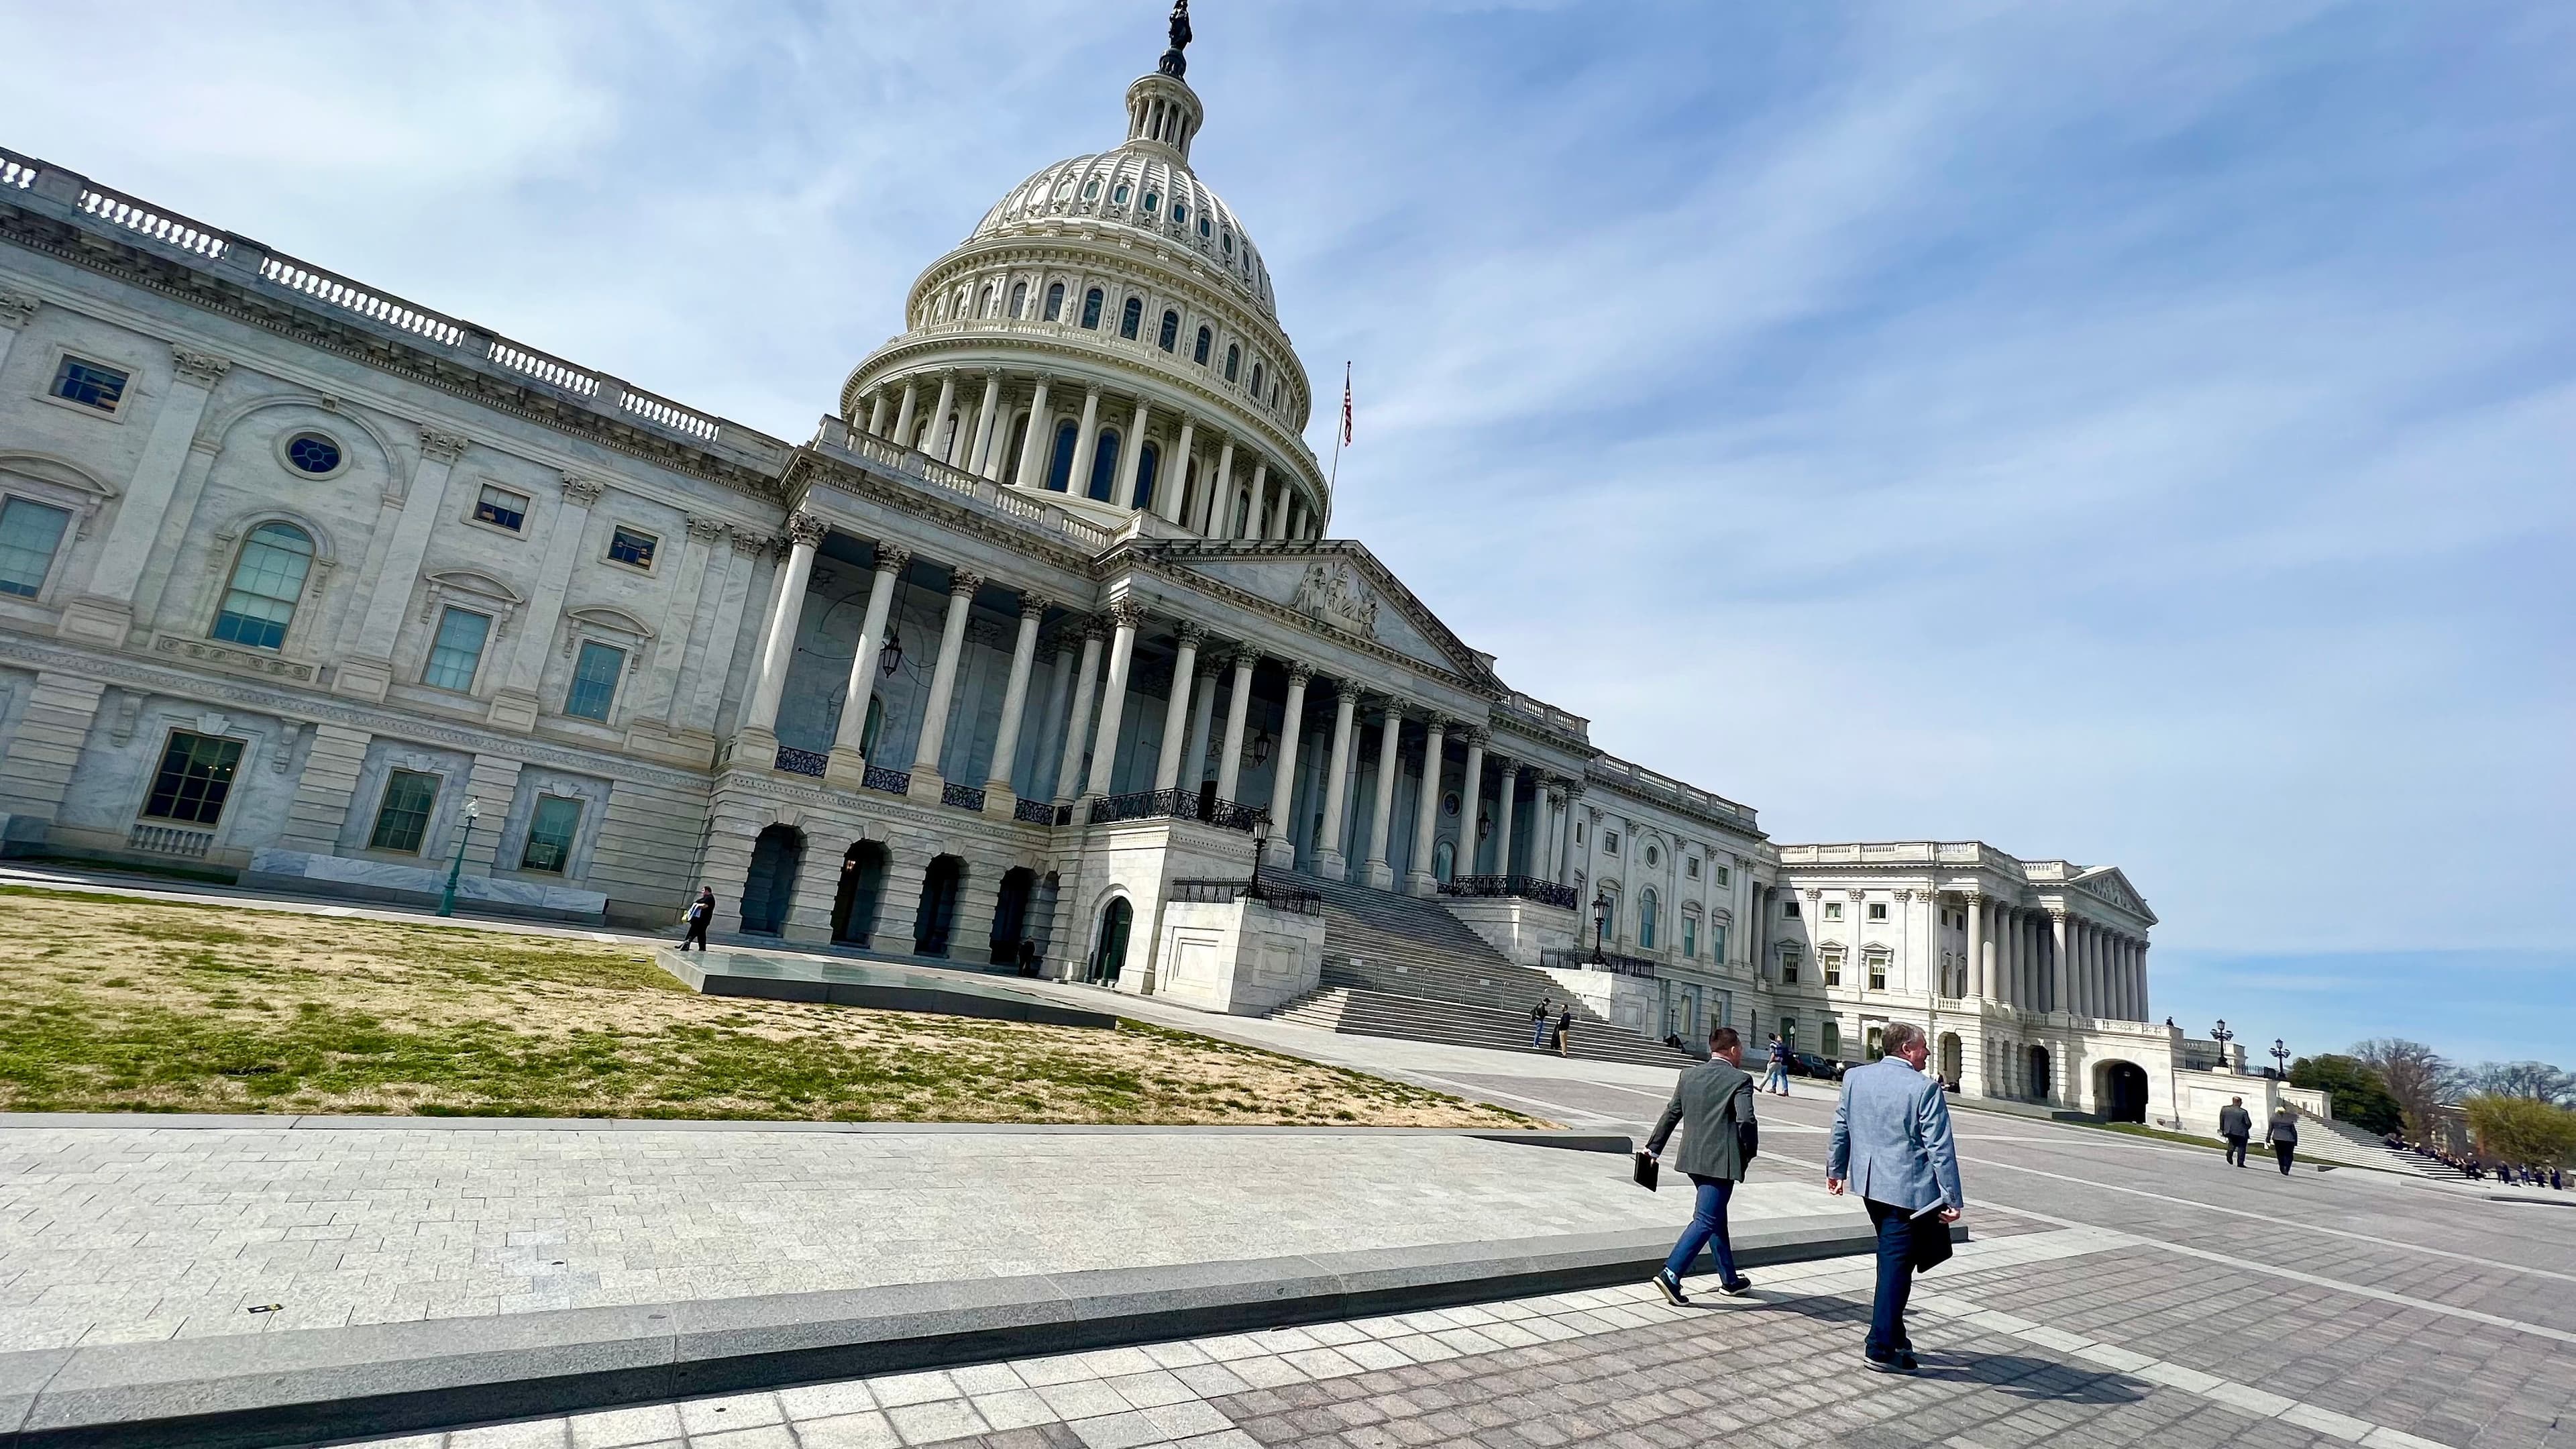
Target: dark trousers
x=2236 y=1150
x=1895 y=1226
x=697 y=933
x=2282 y=1150
x=1707 y=1229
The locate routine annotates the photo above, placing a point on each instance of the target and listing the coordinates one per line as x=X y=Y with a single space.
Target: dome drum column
x=1031 y=449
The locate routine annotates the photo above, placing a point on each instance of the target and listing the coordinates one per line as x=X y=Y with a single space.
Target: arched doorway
x=1444 y=861
x=1950 y=1058
x=1111 y=953
x=2120 y=1091
x=771 y=882
x=2038 y=1060
x=863 y=882
x=936 y=921
x=1011 y=914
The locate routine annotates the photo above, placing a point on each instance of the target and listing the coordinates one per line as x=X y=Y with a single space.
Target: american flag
x=1346 y=402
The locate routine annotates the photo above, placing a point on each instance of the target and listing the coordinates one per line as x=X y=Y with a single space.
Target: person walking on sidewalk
x=2284 y=1136
x=1538 y=1022
x=2237 y=1126
x=1713 y=1104
x=1891 y=1143
x=1778 y=1075
x=702 y=913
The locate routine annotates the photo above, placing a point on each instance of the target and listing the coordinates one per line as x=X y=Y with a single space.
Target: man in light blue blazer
x=1892 y=1145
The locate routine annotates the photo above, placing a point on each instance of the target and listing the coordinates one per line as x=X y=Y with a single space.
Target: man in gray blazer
x=1892 y=1144
x=1710 y=1100
x=2237 y=1126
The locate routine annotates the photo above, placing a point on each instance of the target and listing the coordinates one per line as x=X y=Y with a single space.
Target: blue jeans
x=1707 y=1227
x=1777 y=1076
x=1538 y=1032
x=1895 y=1225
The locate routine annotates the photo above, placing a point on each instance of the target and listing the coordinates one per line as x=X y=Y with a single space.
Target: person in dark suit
x=1564 y=1030
x=1891 y=1143
x=2284 y=1136
x=702 y=913
x=2237 y=1126
x=1710 y=1102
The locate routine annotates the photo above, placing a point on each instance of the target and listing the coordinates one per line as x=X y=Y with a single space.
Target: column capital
x=2057 y=915
x=1125 y=615
x=1814 y=894
x=1900 y=895
x=1094 y=627
x=1033 y=605
x=963 y=585
x=802 y=528
x=893 y=558
x=586 y=491
x=704 y=529
x=17 y=308
x=1189 y=634
x=752 y=541
x=442 y=447
x=1394 y=708
x=205 y=369
x=1300 y=674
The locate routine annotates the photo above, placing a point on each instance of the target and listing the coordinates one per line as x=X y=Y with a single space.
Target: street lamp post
x=1600 y=921
x=2281 y=1054
x=456 y=867
x=2221 y=1035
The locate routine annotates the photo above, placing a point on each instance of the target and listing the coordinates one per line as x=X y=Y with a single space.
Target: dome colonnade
x=1107 y=333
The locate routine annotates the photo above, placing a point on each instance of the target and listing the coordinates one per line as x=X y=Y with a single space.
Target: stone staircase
x=2330 y=1141
x=1398 y=966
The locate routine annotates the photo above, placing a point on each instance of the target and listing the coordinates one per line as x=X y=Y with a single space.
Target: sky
x=2134 y=433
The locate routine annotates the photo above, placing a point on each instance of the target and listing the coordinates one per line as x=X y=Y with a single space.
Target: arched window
x=1153 y=202
x=1256 y=382
x=1010 y=459
x=1060 y=468
x=1171 y=333
x=1055 y=303
x=1091 y=309
x=1131 y=318
x=268 y=578
x=1199 y=354
x=1646 y=919
x=992 y=300
x=1233 y=361
x=1148 y=459
x=1104 y=466
x=1019 y=298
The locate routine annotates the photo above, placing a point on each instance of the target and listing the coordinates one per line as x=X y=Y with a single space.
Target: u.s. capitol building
x=1030 y=651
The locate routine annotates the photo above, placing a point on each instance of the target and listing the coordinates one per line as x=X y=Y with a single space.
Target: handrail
x=1527 y=887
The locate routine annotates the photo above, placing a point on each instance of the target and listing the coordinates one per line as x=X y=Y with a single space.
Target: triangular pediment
x=2105 y=882
x=1336 y=587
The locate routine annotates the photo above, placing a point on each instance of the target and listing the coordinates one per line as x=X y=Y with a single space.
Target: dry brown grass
x=113 y=1004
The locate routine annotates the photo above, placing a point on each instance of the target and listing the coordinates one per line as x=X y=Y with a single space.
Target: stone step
x=1368 y=1013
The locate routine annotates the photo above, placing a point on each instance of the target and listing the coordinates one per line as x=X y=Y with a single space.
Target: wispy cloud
x=2134 y=432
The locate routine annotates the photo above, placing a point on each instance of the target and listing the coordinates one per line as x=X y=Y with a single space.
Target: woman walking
x=2284 y=1136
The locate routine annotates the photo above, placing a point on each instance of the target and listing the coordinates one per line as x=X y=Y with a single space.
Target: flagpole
x=1341 y=425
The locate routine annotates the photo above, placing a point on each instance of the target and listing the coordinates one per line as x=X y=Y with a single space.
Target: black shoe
x=1897 y=1363
x=1736 y=1289
x=1671 y=1288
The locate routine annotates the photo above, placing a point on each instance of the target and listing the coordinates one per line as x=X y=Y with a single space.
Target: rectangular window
x=1833 y=910
x=29 y=534
x=1690 y=867
x=1874 y=1038
x=91 y=384
x=1878 y=971
x=594 y=681
x=457 y=651
x=501 y=508
x=1690 y=935
x=1877 y=912
x=627 y=546
x=1788 y=968
x=402 y=821
x=1789 y=1032
x=196 y=775
x=1723 y=877
x=550 y=831
x=1609 y=842
x=1578 y=832
x=1829 y=1039
x=1832 y=962
x=1788 y=910
x=1717 y=943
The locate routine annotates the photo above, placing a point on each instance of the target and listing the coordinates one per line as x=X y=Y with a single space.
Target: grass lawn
x=114 y=1005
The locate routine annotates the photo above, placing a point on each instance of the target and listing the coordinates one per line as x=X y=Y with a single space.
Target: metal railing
x=802 y=762
x=1034 y=812
x=892 y=782
x=1610 y=961
x=1291 y=899
x=1526 y=887
x=1232 y=815
x=1145 y=805
x=963 y=797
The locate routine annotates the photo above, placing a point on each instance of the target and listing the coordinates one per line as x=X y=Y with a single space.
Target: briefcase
x=1929 y=1247
x=1647 y=1171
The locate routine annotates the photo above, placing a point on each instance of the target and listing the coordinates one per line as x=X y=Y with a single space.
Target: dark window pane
x=594 y=680
x=402 y=821
x=196 y=775
x=89 y=384
x=630 y=547
x=29 y=534
x=550 y=833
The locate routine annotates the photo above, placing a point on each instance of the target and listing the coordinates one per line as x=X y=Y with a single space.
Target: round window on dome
x=1118 y=197
x=313 y=453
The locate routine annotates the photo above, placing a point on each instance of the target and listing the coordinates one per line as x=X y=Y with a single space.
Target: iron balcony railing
x=1291 y=899
x=1610 y=961
x=1526 y=887
x=1176 y=805
x=1034 y=812
x=802 y=762
x=963 y=797
x=892 y=782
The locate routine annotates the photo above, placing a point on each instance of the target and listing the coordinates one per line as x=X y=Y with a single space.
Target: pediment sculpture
x=1336 y=595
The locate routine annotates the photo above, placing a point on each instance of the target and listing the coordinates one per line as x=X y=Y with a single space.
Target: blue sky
x=2138 y=433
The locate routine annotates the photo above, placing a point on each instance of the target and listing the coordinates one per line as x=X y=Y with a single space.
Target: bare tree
x=2417 y=1076
x=2538 y=1081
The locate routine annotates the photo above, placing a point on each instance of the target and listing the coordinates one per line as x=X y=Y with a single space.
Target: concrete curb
x=292 y=1122
x=323 y=1383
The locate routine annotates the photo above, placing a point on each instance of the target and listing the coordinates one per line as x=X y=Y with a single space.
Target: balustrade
x=1527 y=887
x=1033 y=812
x=802 y=762
x=1610 y=961
x=963 y=797
x=892 y=782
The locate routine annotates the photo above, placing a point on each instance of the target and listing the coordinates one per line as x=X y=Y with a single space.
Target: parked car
x=1808 y=1064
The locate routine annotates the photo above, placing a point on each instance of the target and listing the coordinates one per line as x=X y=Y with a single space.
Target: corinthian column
x=999 y=800
x=1229 y=764
x=1381 y=813
x=1032 y=472
x=1176 y=714
x=927 y=781
x=1281 y=848
x=1123 y=617
x=1426 y=819
x=1330 y=862
x=848 y=764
